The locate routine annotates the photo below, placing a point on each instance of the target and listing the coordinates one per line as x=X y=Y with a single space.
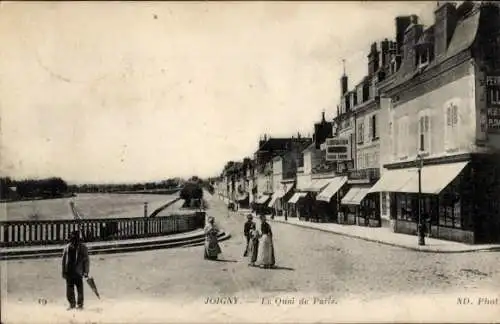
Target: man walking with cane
x=75 y=266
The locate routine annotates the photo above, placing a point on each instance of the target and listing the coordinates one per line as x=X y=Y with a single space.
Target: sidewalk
x=384 y=235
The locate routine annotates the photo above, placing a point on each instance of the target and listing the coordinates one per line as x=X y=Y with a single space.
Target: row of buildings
x=429 y=103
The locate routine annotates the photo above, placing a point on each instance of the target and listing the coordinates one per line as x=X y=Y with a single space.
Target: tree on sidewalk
x=192 y=194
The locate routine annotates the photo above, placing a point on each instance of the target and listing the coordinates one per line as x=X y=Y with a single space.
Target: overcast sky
x=120 y=92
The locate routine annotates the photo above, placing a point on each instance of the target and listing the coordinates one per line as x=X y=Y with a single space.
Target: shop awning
x=262 y=199
x=242 y=196
x=355 y=195
x=302 y=184
x=273 y=199
x=434 y=179
x=296 y=196
x=319 y=184
x=332 y=188
x=287 y=187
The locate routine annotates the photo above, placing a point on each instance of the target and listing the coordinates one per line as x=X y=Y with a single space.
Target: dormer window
x=423 y=57
x=395 y=63
x=366 y=91
x=393 y=67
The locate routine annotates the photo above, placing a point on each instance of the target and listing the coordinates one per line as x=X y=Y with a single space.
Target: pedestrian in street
x=75 y=267
x=212 y=248
x=253 y=247
x=266 y=250
x=246 y=232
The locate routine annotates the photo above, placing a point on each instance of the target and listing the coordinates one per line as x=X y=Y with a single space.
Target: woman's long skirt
x=266 y=254
x=253 y=250
x=212 y=248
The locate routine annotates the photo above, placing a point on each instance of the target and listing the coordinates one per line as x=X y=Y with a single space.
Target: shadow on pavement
x=224 y=260
x=276 y=268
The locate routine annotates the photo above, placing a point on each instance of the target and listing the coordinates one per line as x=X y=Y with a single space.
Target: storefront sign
x=338 y=149
x=493 y=104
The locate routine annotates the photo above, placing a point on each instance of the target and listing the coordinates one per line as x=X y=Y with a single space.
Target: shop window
x=450 y=211
x=405 y=207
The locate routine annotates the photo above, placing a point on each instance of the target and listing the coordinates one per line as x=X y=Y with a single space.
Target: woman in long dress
x=253 y=245
x=266 y=259
x=212 y=248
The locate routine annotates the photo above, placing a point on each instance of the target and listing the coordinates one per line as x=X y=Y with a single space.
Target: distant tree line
x=169 y=184
x=33 y=188
x=11 y=190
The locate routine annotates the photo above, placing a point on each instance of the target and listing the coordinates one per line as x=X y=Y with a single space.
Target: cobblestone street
x=310 y=262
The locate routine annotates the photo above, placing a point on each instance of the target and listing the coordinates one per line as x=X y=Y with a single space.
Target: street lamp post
x=421 y=230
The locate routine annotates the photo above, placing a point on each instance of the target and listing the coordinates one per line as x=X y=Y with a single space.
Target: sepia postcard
x=250 y=162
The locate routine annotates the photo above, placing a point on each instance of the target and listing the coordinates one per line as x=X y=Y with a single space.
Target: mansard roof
x=463 y=38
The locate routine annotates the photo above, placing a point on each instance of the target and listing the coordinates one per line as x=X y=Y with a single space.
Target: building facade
x=441 y=113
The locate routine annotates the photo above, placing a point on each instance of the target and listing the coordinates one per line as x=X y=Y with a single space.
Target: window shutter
x=370 y=128
x=455 y=115
x=447 y=126
x=428 y=133
x=407 y=137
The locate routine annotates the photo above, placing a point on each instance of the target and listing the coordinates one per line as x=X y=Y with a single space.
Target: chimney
x=338 y=110
x=373 y=60
x=412 y=34
x=445 y=22
x=402 y=23
x=323 y=120
x=384 y=53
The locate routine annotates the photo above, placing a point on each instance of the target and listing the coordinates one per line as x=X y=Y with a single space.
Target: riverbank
x=6 y=201
x=150 y=192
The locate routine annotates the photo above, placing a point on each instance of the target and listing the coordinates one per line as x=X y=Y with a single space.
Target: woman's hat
x=211 y=219
x=249 y=216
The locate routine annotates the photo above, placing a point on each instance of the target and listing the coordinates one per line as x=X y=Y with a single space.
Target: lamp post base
x=421 y=240
x=421 y=235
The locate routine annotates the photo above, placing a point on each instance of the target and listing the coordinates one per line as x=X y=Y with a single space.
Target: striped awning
x=273 y=199
x=355 y=195
x=434 y=179
x=296 y=196
x=332 y=188
x=319 y=184
x=283 y=191
x=262 y=199
x=303 y=184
